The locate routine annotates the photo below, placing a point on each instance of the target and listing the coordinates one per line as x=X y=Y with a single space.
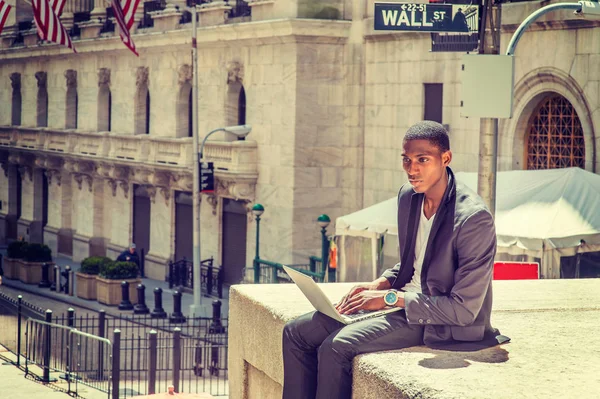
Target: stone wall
x=558 y=314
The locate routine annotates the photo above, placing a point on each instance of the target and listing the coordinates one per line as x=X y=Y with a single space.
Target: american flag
x=57 y=6
x=124 y=17
x=4 y=10
x=48 y=25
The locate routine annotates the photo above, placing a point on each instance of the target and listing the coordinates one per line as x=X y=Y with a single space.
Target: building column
x=161 y=232
x=5 y=194
x=29 y=225
x=118 y=195
x=58 y=234
x=88 y=217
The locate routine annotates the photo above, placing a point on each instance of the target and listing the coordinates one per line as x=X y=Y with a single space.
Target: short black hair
x=431 y=131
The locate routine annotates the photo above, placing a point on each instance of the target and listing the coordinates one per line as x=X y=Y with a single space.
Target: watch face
x=390 y=298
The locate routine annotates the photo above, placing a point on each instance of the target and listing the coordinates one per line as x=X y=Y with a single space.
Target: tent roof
x=557 y=206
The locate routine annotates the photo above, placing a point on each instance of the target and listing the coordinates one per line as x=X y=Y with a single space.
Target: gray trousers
x=318 y=351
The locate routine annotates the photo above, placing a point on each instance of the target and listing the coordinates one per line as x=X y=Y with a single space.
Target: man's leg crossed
x=301 y=340
x=388 y=332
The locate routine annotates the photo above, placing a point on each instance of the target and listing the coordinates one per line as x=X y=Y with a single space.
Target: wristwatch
x=391 y=297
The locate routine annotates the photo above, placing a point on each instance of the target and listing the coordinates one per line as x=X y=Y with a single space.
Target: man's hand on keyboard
x=363 y=300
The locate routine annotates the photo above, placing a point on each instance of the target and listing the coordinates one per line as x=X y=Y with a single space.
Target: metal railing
x=181 y=274
x=82 y=358
x=143 y=356
x=13 y=316
x=272 y=272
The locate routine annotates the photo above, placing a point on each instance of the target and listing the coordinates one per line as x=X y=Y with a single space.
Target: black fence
x=121 y=356
x=181 y=274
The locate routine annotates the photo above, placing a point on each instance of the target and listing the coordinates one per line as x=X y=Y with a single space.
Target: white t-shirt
x=420 y=247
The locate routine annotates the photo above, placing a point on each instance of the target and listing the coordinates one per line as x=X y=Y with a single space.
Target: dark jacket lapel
x=408 y=249
x=440 y=219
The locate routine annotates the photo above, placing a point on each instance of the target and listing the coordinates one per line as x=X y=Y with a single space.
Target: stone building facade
x=96 y=151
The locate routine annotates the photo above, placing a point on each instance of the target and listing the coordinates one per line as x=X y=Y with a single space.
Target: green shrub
x=118 y=270
x=16 y=249
x=37 y=253
x=93 y=264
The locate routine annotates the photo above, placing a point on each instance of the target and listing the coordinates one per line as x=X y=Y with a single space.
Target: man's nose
x=412 y=169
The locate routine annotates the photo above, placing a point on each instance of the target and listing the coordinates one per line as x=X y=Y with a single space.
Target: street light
x=323 y=221
x=240 y=131
x=257 y=210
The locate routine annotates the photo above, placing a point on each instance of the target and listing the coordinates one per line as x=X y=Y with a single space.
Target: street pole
x=488 y=127
x=196 y=306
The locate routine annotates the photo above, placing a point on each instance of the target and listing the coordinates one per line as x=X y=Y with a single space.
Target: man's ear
x=447 y=158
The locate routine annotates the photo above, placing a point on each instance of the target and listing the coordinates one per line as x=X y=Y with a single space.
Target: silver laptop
x=319 y=300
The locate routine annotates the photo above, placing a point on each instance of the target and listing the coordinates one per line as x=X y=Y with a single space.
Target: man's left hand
x=364 y=300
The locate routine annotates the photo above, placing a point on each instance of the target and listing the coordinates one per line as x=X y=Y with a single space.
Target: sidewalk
x=187 y=299
x=13 y=385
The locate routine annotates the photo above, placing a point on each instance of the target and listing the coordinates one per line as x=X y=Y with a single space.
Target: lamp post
x=323 y=221
x=257 y=210
x=240 y=131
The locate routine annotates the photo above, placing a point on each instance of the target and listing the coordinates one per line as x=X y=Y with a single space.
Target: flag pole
x=195 y=308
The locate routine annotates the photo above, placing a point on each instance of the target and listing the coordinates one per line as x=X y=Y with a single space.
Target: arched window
x=242 y=107
x=71 y=100
x=104 y=101
x=555 y=136
x=235 y=108
x=104 y=109
x=15 y=80
x=184 y=110
x=42 y=100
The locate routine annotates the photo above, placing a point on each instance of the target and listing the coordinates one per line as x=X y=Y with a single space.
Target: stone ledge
x=545 y=319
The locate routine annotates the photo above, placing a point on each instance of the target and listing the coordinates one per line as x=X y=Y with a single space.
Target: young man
x=447 y=244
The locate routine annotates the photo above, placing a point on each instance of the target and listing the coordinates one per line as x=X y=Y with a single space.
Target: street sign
x=427 y=17
x=207 y=177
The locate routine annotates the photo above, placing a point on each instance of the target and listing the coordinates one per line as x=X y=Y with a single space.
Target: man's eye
x=405 y=160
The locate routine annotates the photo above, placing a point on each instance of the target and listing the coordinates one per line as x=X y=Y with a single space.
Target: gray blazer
x=456 y=277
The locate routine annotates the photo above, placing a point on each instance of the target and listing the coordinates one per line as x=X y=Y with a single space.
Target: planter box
x=11 y=268
x=30 y=272
x=108 y=292
x=86 y=285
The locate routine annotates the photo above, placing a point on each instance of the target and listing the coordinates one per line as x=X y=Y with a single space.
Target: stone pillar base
x=167 y=19
x=65 y=241
x=51 y=238
x=213 y=13
x=90 y=29
x=30 y=37
x=98 y=246
x=156 y=267
x=24 y=230
x=114 y=250
x=262 y=10
x=7 y=38
x=84 y=247
x=81 y=247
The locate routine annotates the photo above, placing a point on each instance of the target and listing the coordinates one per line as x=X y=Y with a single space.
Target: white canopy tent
x=540 y=213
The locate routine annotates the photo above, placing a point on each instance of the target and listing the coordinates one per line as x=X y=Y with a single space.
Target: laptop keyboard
x=355 y=315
